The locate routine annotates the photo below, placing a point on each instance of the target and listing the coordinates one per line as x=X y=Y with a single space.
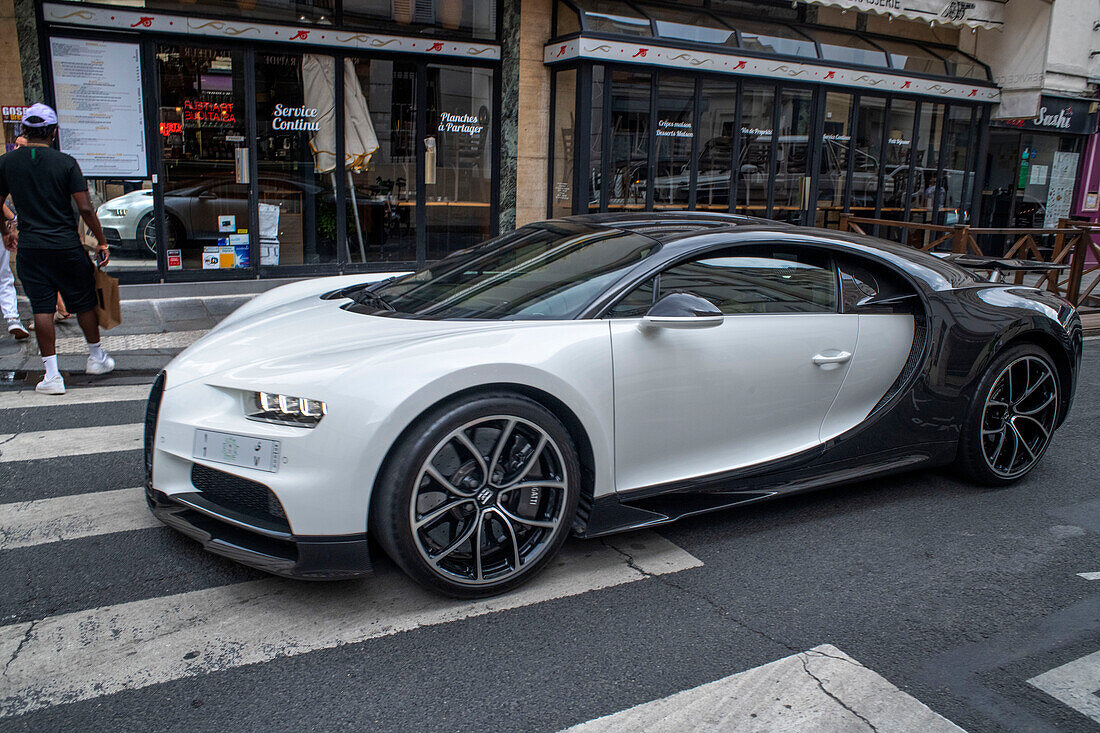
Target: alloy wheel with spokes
x=488 y=499
x=479 y=495
x=1019 y=416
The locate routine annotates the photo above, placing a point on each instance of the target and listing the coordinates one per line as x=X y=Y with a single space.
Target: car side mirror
x=683 y=310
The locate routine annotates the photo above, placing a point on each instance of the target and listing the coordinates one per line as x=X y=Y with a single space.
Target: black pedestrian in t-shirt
x=41 y=182
x=44 y=184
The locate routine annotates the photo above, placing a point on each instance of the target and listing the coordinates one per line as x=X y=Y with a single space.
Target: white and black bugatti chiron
x=590 y=375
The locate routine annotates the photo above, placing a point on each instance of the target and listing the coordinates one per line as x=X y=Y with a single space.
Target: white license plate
x=237 y=450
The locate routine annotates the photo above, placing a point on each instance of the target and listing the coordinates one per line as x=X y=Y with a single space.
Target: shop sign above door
x=1056 y=114
x=624 y=52
x=972 y=13
x=238 y=30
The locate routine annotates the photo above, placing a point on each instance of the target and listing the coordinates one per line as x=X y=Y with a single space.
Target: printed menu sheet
x=101 y=119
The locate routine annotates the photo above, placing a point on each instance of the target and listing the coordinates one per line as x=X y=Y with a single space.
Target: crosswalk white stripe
x=86 y=654
x=29 y=523
x=821 y=689
x=74 y=396
x=70 y=442
x=1075 y=684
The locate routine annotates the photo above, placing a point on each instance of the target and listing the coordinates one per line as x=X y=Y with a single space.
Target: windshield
x=548 y=272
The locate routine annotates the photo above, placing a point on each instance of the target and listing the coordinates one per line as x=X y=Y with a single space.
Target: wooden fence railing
x=1069 y=244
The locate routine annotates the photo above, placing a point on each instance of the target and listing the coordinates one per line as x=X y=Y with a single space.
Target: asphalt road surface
x=916 y=602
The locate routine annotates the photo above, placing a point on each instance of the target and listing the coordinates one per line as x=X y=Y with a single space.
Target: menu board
x=1063 y=176
x=100 y=116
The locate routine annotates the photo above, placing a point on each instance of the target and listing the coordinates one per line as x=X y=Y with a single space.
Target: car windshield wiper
x=367 y=297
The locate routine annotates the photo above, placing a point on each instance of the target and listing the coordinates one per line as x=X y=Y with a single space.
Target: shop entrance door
x=791 y=171
x=205 y=160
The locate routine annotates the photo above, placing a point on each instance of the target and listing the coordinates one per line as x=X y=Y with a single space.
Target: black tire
x=146 y=234
x=993 y=451
x=435 y=467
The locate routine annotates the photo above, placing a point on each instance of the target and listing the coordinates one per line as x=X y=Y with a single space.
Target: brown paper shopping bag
x=108 y=307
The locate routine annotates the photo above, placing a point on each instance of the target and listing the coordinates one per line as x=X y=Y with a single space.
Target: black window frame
x=653 y=274
x=150 y=81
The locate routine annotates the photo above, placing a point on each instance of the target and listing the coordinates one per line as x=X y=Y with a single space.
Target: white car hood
x=306 y=334
x=134 y=198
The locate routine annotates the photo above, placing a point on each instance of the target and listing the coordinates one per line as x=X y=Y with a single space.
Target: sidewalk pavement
x=158 y=322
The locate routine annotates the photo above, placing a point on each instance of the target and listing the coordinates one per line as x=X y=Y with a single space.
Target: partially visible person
x=43 y=183
x=9 y=304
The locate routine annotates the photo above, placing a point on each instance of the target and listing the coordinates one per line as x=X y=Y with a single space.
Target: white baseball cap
x=39 y=115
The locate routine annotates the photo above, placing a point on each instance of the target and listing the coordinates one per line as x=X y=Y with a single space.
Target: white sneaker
x=51 y=386
x=15 y=328
x=99 y=366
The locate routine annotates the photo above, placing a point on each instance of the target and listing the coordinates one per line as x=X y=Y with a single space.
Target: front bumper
x=222 y=532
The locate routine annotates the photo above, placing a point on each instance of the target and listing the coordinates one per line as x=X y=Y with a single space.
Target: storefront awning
x=972 y=13
x=698 y=39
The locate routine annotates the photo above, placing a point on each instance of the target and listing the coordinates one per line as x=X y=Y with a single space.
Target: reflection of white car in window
x=193 y=212
x=127 y=221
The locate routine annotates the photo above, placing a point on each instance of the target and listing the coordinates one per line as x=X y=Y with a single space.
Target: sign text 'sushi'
x=468 y=124
x=671 y=128
x=1061 y=120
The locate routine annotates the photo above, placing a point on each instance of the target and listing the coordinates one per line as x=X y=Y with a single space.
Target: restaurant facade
x=241 y=139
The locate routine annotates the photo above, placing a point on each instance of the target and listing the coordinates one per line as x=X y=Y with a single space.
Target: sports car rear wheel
x=478 y=496
x=1012 y=420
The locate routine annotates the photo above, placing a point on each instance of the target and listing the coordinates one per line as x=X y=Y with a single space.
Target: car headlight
x=120 y=213
x=284 y=410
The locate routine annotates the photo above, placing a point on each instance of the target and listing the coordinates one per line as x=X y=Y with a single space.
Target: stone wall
x=534 y=108
x=12 y=26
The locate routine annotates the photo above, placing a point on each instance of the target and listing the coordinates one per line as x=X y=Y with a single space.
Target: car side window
x=758 y=279
x=868 y=287
x=634 y=304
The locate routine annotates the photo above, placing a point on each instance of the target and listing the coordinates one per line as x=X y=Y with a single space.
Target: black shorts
x=47 y=272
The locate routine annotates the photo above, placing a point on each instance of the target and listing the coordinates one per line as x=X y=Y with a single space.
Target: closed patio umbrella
x=360 y=140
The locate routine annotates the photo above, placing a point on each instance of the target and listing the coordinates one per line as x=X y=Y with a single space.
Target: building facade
x=259 y=138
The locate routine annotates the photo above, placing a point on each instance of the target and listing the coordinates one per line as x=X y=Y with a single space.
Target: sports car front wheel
x=1012 y=418
x=478 y=496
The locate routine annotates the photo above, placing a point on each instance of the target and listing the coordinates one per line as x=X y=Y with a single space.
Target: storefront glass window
x=204 y=145
x=927 y=187
x=565 y=97
x=380 y=155
x=125 y=210
x=774 y=38
x=630 y=125
x=294 y=134
x=1048 y=172
x=867 y=152
x=958 y=178
x=675 y=130
x=836 y=143
x=792 y=156
x=473 y=18
x=567 y=19
x=458 y=158
x=911 y=57
x=612 y=16
x=757 y=105
x=899 y=156
x=959 y=64
x=691 y=25
x=595 y=148
x=848 y=48
x=717 y=116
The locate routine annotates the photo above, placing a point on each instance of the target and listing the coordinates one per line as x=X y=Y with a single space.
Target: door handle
x=839 y=357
